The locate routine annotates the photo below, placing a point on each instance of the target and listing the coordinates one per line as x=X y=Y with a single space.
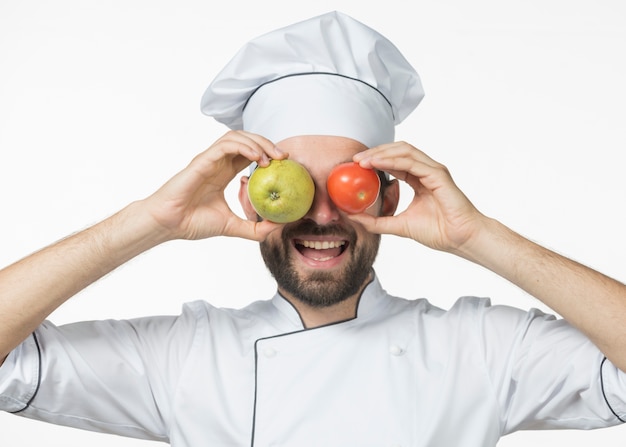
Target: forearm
x=32 y=288
x=191 y=205
x=589 y=300
x=441 y=217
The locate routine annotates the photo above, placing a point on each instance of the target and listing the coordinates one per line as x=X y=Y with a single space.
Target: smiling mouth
x=321 y=251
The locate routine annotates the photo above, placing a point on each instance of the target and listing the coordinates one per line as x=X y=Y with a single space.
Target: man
x=331 y=359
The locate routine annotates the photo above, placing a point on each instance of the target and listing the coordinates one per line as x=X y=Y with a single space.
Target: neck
x=313 y=316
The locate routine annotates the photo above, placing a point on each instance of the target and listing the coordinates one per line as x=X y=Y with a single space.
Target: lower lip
x=320 y=264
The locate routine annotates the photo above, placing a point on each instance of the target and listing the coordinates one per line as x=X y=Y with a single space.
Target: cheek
x=376 y=208
x=364 y=239
x=274 y=238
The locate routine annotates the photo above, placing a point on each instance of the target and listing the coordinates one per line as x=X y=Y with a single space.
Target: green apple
x=282 y=191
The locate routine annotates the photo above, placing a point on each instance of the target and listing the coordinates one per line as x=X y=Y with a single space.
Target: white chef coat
x=404 y=373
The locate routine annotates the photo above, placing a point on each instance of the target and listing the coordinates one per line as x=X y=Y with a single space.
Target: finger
x=268 y=147
x=411 y=166
x=241 y=147
x=415 y=174
x=253 y=147
x=395 y=150
x=402 y=161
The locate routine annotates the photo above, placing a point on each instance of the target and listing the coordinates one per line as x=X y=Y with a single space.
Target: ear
x=244 y=200
x=391 y=197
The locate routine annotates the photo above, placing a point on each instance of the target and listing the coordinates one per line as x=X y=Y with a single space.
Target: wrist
x=131 y=231
x=488 y=244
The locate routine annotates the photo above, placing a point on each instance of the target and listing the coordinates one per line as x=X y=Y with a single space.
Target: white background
x=99 y=105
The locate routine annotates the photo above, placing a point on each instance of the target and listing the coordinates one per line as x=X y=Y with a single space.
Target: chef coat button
x=396 y=350
x=269 y=352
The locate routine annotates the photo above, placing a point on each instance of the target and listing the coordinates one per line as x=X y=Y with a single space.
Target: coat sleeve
x=108 y=376
x=547 y=374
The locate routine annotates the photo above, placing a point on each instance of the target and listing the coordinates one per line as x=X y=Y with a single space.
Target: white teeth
x=319 y=245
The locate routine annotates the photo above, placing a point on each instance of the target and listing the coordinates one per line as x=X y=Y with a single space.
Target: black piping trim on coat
x=604 y=394
x=320 y=73
x=38 y=376
x=256 y=352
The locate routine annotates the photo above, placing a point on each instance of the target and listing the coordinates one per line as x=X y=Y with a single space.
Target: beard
x=320 y=288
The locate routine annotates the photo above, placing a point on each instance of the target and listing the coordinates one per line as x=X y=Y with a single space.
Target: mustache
x=308 y=227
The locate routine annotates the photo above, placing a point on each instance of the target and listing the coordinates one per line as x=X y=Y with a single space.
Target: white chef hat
x=328 y=75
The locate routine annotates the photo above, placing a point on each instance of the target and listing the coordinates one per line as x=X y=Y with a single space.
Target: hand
x=440 y=216
x=192 y=205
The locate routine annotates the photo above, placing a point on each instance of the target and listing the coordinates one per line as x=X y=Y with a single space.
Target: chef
x=331 y=359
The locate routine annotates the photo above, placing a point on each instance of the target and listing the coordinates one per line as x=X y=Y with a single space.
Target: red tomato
x=353 y=188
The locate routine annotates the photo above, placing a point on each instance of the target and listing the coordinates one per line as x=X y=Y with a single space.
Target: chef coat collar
x=370 y=300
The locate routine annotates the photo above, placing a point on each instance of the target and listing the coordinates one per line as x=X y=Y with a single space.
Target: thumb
x=256 y=231
x=377 y=225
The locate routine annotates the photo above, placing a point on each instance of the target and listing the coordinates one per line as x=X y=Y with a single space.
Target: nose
x=323 y=211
